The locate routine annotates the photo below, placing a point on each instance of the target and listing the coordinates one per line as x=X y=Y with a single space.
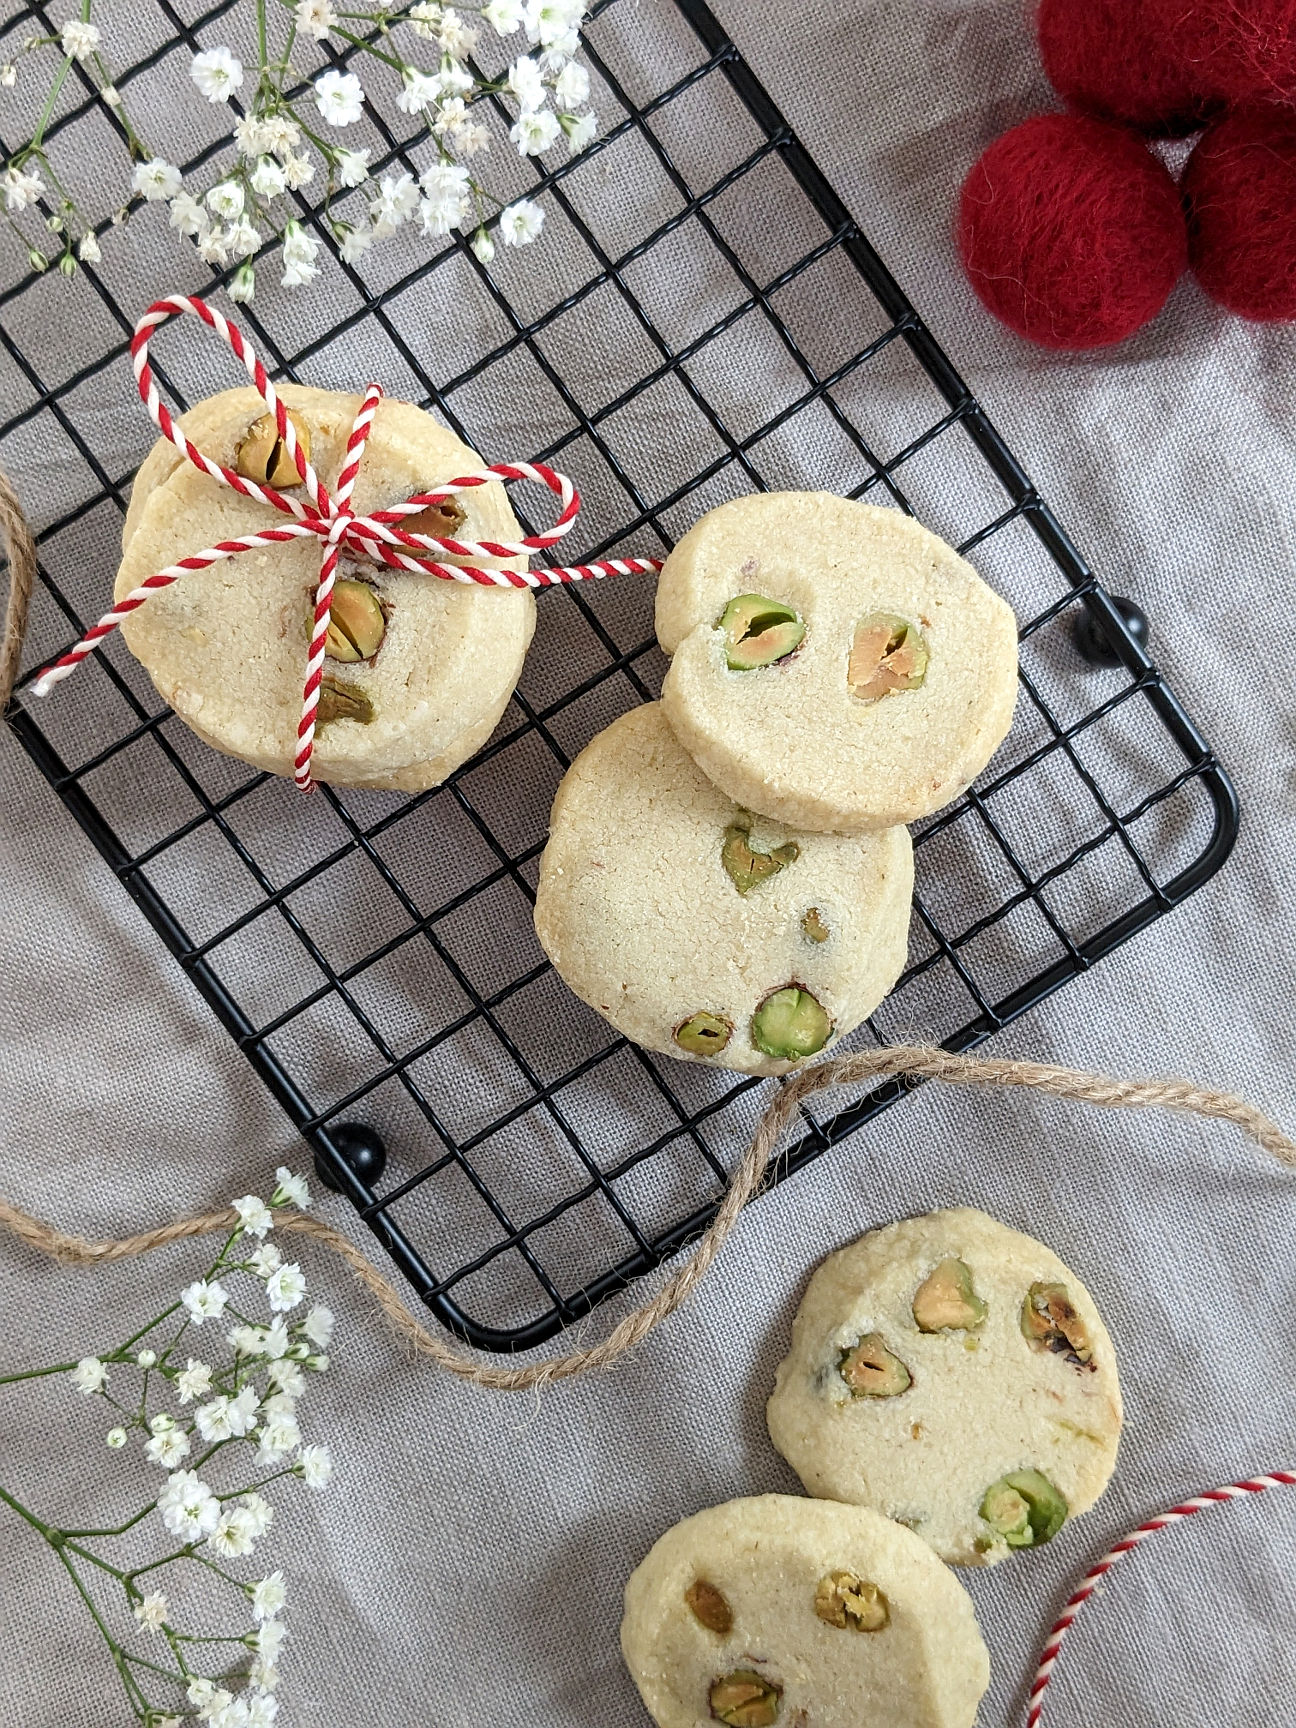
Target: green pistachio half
x=439 y=521
x=745 y=1699
x=338 y=701
x=1049 y=1321
x=357 y=623
x=758 y=632
x=261 y=454
x=813 y=927
x=1025 y=1509
x=888 y=653
x=851 y=1603
x=946 y=1302
x=708 y=1607
x=873 y=1371
x=703 y=1034
x=745 y=866
x=790 y=1024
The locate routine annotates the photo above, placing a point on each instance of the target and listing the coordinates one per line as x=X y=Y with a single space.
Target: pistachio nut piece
x=851 y=1603
x=1025 y=1509
x=873 y=1371
x=357 y=624
x=703 y=1034
x=758 y=632
x=946 y=1302
x=262 y=455
x=745 y=1699
x=1049 y=1321
x=888 y=653
x=338 y=701
x=745 y=866
x=440 y=521
x=813 y=927
x=790 y=1024
x=708 y=1607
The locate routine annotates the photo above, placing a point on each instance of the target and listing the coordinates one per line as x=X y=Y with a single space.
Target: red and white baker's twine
x=376 y=538
x=1096 y=1573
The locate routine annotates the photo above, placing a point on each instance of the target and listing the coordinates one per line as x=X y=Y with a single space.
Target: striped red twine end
x=378 y=538
x=1096 y=1573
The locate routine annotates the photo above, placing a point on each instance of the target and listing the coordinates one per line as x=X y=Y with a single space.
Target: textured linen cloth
x=468 y=1566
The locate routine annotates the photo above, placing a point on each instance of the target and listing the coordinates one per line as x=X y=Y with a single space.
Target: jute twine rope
x=19 y=549
x=912 y=1061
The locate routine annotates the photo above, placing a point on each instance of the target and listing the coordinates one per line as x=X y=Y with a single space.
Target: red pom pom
x=1125 y=60
x=1241 y=50
x=1240 y=188
x=1071 y=231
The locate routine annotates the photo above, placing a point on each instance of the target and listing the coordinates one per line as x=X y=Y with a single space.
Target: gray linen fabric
x=468 y=1568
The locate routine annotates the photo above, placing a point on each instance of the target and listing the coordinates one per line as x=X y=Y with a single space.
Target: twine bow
x=377 y=538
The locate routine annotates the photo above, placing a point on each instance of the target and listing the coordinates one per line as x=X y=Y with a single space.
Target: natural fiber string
x=910 y=1061
x=18 y=547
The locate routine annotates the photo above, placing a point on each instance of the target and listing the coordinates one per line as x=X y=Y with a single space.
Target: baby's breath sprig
x=290 y=129
x=224 y=1431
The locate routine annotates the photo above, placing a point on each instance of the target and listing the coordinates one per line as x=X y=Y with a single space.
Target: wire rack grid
x=708 y=320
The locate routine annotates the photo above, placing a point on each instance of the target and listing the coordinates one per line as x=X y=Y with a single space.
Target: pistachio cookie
x=955 y=1375
x=702 y=931
x=419 y=669
x=835 y=665
x=790 y=1611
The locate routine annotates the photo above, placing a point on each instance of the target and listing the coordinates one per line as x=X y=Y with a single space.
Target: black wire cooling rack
x=703 y=318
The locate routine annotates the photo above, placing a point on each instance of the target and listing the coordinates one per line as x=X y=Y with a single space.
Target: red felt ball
x=1071 y=231
x=1240 y=190
x=1239 y=50
x=1125 y=60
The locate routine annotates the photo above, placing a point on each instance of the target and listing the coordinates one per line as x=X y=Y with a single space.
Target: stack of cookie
x=728 y=875
x=951 y=1397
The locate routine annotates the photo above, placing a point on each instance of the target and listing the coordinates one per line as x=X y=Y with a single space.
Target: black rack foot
x=361 y=1150
x=1090 y=638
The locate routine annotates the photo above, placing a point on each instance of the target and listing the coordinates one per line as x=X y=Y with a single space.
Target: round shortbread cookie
x=954 y=1374
x=778 y=1610
x=226 y=646
x=703 y=932
x=896 y=674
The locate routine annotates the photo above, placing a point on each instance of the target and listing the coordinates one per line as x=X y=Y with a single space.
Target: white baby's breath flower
x=259 y=1514
x=204 y=1301
x=317 y=1364
x=213 y=245
x=472 y=140
x=269 y=1638
x=188 y=1507
x=201 y=1691
x=315 y=18
x=520 y=224
x=90 y=1375
x=225 y=201
x=419 y=90
x=503 y=16
x=339 y=97
x=262 y=1711
x=266 y=1260
x=187 y=215
x=263 y=1674
x=268 y=1597
x=318 y=1326
x=152 y=1611
x=286 y=1378
x=245 y=1341
x=580 y=130
x=572 y=87
x=232 y=1537
x=315 y=1465
x=243 y=1411
x=251 y=137
x=147 y=1358
x=8 y=75
x=213 y=1420
x=193 y=1381
x=352 y=169
x=243 y=239
x=558 y=52
x=268 y=181
x=298 y=171
x=242 y=285
x=445 y=202
x=285 y=1288
x=526 y=81
x=161 y=1423
x=279 y=1435
x=455 y=37
x=397 y=200
x=254 y=1214
x=115 y=1439
x=425 y=20
x=291 y=1189
x=454 y=79
x=483 y=246
x=169 y=1448
x=535 y=131
x=79 y=39
x=551 y=21
x=353 y=243
x=281 y=135
x=22 y=187
x=299 y=250
x=217 y=73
